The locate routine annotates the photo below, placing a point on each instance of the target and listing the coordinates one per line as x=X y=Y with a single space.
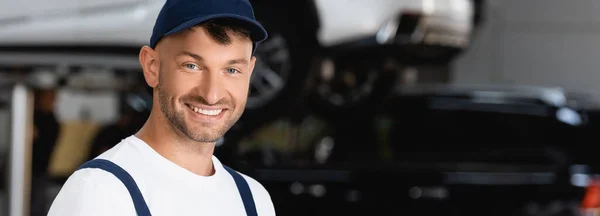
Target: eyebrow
x=237 y=61
x=195 y=56
x=199 y=58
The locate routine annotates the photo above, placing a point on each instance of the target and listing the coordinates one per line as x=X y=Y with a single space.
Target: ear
x=252 y=62
x=150 y=65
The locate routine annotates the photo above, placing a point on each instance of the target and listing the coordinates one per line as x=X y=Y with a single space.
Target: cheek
x=176 y=86
x=240 y=91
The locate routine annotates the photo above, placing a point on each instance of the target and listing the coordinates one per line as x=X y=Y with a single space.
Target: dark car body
x=438 y=149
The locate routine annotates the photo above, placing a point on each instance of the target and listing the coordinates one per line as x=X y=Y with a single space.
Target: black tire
x=296 y=24
x=284 y=20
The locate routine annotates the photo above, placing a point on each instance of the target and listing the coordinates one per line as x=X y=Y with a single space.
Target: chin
x=206 y=139
x=204 y=133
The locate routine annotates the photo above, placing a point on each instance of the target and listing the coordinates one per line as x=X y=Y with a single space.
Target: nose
x=211 y=87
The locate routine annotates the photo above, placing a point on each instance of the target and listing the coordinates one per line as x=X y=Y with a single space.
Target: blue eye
x=232 y=71
x=191 y=66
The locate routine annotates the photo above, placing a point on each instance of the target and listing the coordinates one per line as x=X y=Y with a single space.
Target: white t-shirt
x=167 y=188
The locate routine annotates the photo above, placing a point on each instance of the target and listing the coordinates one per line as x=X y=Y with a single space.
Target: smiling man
x=199 y=63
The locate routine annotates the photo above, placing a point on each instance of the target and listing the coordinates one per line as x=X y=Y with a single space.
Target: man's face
x=202 y=84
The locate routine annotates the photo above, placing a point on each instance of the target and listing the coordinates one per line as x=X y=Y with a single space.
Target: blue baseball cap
x=178 y=15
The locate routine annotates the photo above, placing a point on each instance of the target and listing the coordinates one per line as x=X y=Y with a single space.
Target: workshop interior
x=355 y=107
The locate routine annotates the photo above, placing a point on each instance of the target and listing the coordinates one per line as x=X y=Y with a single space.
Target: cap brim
x=257 y=31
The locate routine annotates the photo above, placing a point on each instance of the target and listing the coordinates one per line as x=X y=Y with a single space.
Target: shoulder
x=92 y=191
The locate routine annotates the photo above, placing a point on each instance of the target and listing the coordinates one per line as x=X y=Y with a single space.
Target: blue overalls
x=138 y=200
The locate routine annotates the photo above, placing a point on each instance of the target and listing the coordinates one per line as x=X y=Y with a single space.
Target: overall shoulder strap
x=245 y=192
x=138 y=200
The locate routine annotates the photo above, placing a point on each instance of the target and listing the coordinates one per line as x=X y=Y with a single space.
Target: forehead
x=199 y=40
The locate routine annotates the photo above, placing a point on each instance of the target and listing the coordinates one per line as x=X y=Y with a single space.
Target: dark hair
x=221 y=30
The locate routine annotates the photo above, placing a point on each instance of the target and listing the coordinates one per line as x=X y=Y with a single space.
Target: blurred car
x=104 y=37
x=430 y=150
x=94 y=45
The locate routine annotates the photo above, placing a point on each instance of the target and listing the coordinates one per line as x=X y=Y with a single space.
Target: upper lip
x=205 y=107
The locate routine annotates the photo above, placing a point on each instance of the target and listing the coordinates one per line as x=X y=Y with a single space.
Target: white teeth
x=212 y=112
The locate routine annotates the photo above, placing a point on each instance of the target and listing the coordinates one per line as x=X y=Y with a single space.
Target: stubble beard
x=203 y=133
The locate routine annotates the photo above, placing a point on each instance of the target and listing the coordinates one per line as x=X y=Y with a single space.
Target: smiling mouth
x=208 y=112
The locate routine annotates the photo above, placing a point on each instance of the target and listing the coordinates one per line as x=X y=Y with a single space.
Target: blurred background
x=403 y=107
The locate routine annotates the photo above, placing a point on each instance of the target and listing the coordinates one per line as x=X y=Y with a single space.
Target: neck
x=167 y=141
